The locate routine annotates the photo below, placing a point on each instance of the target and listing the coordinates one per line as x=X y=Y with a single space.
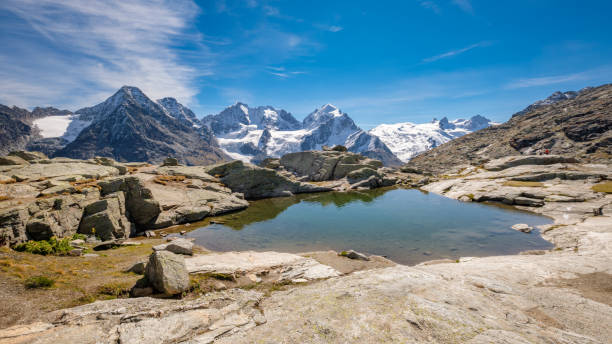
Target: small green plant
x=38 y=282
x=343 y=254
x=46 y=247
x=79 y=236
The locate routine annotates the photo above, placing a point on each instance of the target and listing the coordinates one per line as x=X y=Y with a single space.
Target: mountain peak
x=552 y=99
x=328 y=108
x=123 y=96
x=324 y=114
x=131 y=91
x=445 y=124
x=179 y=111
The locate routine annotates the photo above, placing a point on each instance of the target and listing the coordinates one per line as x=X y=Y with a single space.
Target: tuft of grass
x=114 y=289
x=165 y=179
x=603 y=187
x=38 y=282
x=522 y=184
x=46 y=247
x=5 y=198
x=81 y=185
x=221 y=276
x=77 y=236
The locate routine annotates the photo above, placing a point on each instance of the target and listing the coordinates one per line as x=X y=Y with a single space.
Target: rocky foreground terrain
x=562 y=295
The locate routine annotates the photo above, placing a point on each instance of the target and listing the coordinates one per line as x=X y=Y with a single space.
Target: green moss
x=220 y=276
x=37 y=282
x=603 y=187
x=343 y=254
x=46 y=247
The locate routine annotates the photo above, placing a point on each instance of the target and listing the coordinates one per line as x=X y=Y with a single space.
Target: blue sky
x=380 y=61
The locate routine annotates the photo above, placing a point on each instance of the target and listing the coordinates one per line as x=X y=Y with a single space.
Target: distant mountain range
x=252 y=134
x=129 y=126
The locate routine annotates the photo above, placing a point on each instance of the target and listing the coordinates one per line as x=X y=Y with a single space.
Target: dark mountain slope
x=578 y=127
x=131 y=127
x=16 y=129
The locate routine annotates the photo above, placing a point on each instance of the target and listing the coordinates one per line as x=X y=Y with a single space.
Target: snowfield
x=406 y=140
x=53 y=126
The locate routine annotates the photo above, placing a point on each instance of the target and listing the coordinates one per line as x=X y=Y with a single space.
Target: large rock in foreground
x=140 y=204
x=106 y=218
x=167 y=273
x=257 y=182
x=146 y=320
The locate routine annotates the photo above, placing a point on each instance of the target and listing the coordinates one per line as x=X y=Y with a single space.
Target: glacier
x=407 y=140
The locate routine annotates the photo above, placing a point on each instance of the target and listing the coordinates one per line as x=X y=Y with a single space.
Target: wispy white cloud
x=277 y=69
x=430 y=5
x=233 y=95
x=327 y=27
x=282 y=73
x=456 y=52
x=449 y=85
x=558 y=79
x=66 y=52
x=464 y=5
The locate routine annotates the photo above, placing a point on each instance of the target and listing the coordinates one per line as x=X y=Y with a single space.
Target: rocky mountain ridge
x=575 y=127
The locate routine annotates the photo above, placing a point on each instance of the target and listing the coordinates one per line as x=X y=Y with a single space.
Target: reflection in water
x=408 y=226
x=268 y=209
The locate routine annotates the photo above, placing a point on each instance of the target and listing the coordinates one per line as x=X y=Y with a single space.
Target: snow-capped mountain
x=251 y=134
x=407 y=140
x=54 y=123
x=129 y=126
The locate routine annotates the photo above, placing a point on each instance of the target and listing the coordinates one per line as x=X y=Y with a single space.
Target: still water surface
x=405 y=225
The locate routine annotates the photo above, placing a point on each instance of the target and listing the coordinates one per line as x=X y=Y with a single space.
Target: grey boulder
x=257 y=182
x=166 y=272
x=178 y=246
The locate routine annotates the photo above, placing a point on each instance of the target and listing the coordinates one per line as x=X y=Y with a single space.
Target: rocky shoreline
x=42 y=197
x=557 y=296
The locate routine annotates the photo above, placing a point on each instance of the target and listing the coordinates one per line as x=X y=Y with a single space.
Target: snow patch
x=53 y=126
